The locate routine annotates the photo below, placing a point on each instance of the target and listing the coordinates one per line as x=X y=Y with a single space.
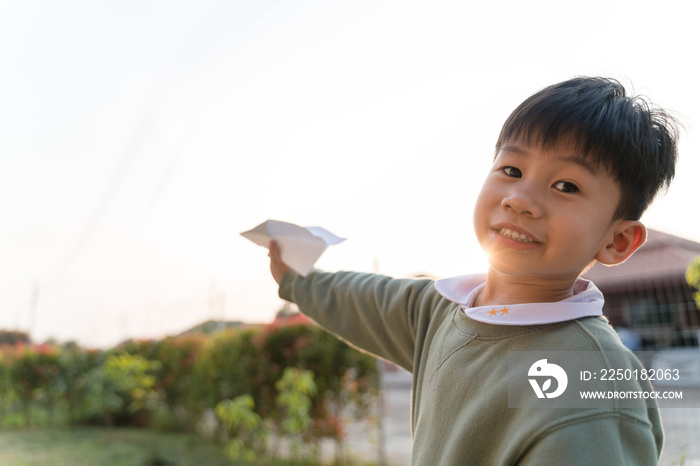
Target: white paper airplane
x=300 y=247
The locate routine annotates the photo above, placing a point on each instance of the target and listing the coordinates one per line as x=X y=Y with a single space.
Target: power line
x=118 y=177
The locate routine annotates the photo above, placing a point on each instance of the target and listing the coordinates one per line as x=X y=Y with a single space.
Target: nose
x=523 y=200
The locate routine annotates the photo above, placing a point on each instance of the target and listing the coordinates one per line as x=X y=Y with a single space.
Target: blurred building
x=647 y=298
x=212 y=326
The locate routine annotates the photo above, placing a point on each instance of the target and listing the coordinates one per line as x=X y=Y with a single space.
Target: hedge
x=173 y=382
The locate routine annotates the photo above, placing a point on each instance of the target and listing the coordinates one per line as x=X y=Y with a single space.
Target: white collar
x=586 y=301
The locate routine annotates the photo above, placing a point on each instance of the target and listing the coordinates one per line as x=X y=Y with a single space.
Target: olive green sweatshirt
x=460 y=413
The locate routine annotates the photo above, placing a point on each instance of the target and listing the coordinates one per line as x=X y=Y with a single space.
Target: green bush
x=177 y=383
x=184 y=377
x=124 y=382
x=34 y=371
x=74 y=363
x=249 y=434
x=230 y=364
x=343 y=376
x=6 y=386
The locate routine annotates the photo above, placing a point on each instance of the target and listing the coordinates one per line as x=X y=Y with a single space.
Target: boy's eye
x=513 y=172
x=566 y=187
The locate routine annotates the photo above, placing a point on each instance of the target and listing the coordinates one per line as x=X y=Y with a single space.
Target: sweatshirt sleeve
x=378 y=314
x=619 y=439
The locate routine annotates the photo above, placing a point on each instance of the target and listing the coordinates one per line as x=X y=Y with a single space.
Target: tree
x=692 y=276
x=12 y=337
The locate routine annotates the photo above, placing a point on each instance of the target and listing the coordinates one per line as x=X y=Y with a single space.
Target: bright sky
x=139 y=138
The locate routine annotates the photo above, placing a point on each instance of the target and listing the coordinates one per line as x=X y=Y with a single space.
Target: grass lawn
x=100 y=447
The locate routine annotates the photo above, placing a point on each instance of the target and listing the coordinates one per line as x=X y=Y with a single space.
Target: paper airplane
x=300 y=247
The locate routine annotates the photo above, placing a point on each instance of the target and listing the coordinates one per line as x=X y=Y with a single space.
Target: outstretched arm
x=384 y=316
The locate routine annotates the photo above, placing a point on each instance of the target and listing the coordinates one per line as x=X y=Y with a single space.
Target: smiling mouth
x=515 y=235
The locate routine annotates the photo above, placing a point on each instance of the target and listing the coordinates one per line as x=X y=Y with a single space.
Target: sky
x=140 y=138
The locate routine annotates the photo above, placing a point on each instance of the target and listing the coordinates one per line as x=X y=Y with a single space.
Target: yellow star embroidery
x=493 y=312
x=505 y=310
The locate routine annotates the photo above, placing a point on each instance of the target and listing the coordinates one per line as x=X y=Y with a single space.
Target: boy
x=576 y=165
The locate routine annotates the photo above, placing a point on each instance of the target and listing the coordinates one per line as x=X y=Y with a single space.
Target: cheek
x=489 y=198
x=482 y=208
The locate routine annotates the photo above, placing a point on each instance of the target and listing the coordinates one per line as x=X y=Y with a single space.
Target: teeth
x=512 y=234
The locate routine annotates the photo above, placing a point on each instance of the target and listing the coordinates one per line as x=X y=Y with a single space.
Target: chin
x=514 y=269
x=510 y=270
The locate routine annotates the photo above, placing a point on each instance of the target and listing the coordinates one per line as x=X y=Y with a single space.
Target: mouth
x=513 y=233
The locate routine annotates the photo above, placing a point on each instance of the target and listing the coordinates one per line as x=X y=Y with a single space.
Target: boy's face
x=544 y=213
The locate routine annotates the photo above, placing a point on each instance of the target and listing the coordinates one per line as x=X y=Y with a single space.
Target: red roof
x=663 y=258
x=296 y=318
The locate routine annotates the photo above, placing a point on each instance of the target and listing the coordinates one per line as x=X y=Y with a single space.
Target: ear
x=628 y=236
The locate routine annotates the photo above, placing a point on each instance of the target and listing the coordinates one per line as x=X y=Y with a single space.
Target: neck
x=516 y=289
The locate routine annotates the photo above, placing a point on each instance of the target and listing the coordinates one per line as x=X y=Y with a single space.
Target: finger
x=274 y=250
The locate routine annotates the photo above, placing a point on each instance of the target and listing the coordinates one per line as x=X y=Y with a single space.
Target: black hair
x=635 y=141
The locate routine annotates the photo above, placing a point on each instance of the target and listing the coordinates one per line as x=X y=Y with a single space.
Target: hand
x=277 y=267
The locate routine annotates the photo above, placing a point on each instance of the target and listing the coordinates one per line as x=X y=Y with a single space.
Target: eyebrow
x=577 y=159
